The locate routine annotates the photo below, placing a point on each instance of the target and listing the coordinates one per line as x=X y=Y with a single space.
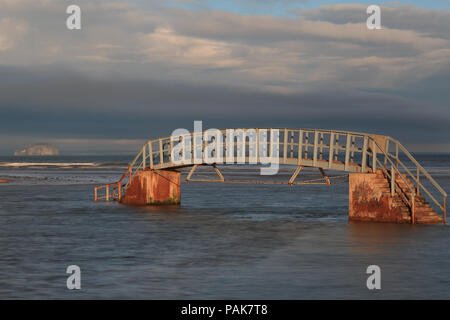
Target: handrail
x=392 y=175
x=118 y=185
x=420 y=185
x=420 y=170
x=427 y=175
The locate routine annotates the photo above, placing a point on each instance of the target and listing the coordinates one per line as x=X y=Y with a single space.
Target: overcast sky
x=140 y=69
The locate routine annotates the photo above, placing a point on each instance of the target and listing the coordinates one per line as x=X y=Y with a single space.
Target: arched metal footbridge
x=349 y=152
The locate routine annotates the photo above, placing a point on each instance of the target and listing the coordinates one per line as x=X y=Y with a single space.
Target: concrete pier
x=153 y=187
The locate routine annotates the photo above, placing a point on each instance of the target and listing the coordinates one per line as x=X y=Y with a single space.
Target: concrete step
x=381 y=183
x=424 y=208
x=430 y=219
x=430 y=214
x=425 y=213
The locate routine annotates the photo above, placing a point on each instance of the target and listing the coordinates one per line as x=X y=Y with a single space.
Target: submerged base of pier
x=153 y=187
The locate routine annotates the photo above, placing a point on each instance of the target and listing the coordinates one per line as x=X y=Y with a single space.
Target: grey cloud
x=434 y=23
x=74 y=106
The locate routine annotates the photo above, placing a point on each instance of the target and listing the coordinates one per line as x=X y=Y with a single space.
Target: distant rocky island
x=40 y=149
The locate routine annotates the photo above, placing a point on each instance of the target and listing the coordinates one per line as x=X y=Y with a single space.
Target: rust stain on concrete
x=368 y=202
x=153 y=187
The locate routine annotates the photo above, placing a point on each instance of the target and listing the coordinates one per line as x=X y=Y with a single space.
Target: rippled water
x=226 y=241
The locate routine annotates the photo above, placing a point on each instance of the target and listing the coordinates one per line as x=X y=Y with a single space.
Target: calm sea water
x=226 y=241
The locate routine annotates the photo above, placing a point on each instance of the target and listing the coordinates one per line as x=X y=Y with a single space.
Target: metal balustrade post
x=336 y=144
x=316 y=137
x=364 y=155
x=413 y=209
x=257 y=145
x=392 y=181
x=418 y=182
x=331 y=150
x=270 y=143
x=396 y=154
x=347 y=152
x=170 y=150
x=143 y=157
x=107 y=193
x=445 y=209
x=150 y=154
x=161 y=153
x=291 y=153
x=352 y=153
x=300 y=146
x=321 y=146
x=386 y=152
x=374 y=157
x=306 y=144
x=191 y=147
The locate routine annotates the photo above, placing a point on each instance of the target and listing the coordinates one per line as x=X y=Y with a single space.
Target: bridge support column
x=153 y=187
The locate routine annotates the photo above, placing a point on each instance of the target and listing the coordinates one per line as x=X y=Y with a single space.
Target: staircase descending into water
x=423 y=211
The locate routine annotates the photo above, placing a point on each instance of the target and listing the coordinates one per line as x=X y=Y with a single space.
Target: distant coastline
x=40 y=149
